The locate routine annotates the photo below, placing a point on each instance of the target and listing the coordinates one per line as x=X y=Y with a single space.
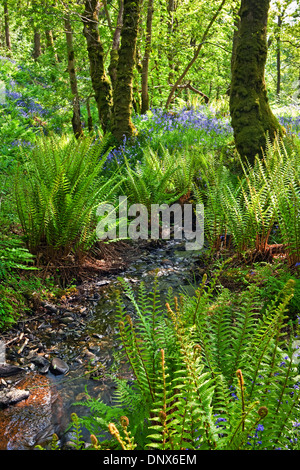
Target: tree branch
x=196 y=54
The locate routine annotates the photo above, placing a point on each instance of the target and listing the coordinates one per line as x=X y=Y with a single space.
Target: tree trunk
x=114 y=54
x=278 y=56
x=76 y=121
x=122 y=124
x=171 y=8
x=145 y=69
x=37 y=48
x=90 y=119
x=50 y=43
x=6 y=23
x=251 y=115
x=100 y=81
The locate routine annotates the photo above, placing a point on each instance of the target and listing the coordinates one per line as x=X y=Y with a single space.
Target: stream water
x=84 y=337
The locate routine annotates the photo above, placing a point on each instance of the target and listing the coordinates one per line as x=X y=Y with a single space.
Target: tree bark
x=114 y=53
x=145 y=64
x=251 y=116
x=122 y=124
x=76 y=119
x=100 y=81
x=171 y=8
x=90 y=119
x=37 y=47
x=50 y=43
x=6 y=23
x=278 y=56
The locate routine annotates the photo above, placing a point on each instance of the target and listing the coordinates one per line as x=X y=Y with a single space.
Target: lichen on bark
x=251 y=116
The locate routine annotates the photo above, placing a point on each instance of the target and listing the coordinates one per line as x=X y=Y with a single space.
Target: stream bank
x=64 y=351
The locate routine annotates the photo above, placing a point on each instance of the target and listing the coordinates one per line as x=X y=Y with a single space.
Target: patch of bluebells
x=162 y=121
x=131 y=149
x=290 y=119
x=291 y=123
x=27 y=107
x=172 y=127
x=233 y=390
x=256 y=439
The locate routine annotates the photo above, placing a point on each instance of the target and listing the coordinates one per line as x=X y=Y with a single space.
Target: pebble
x=58 y=366
x=11 y=396
x=67 y=320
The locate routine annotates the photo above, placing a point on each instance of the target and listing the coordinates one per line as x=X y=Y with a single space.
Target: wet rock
x=67 y=320
x=88 y=354
x=6 y=370
x=42 y=363
x=50 y=308
x=11 y=396
x=97 y=335
x=34 y=420
x=58 y=366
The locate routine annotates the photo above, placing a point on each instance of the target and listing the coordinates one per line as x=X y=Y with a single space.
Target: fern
x=57 y=193
x=247 y=209
x=152 y=180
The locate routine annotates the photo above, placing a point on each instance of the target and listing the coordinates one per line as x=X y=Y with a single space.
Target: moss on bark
x=251 y=116
x=100 y=81
x=122 y=95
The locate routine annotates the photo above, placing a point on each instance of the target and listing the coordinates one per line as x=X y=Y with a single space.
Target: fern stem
x=242 y=388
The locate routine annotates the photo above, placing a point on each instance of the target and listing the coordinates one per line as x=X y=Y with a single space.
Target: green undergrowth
x=214 y=371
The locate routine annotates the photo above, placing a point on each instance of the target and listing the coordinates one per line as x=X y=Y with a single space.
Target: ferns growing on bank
x=57 y=192
x=211 y=372
x=246 y=211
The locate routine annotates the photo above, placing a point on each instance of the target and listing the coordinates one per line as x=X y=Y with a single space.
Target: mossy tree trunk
x=6 y=27
x=114 y=53
x=122 y=95
x=37 y=46
x=50 y=43
x=76 y=119
x=251 y=116
x=100 y=81
x=145 y=69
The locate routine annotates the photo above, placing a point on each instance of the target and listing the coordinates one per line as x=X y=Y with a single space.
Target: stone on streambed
x=7 y=370
x=42 y=363
x=58 y=366
x=33 y=420
x=12 y=396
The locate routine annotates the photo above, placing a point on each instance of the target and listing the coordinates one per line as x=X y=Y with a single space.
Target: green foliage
x=58 y=189
x=210 y=374
x=13 y=255
x=282 y=164
x=265 y=196
x=151 y=181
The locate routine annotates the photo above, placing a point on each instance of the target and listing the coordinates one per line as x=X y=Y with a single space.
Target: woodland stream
x=84 y=337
